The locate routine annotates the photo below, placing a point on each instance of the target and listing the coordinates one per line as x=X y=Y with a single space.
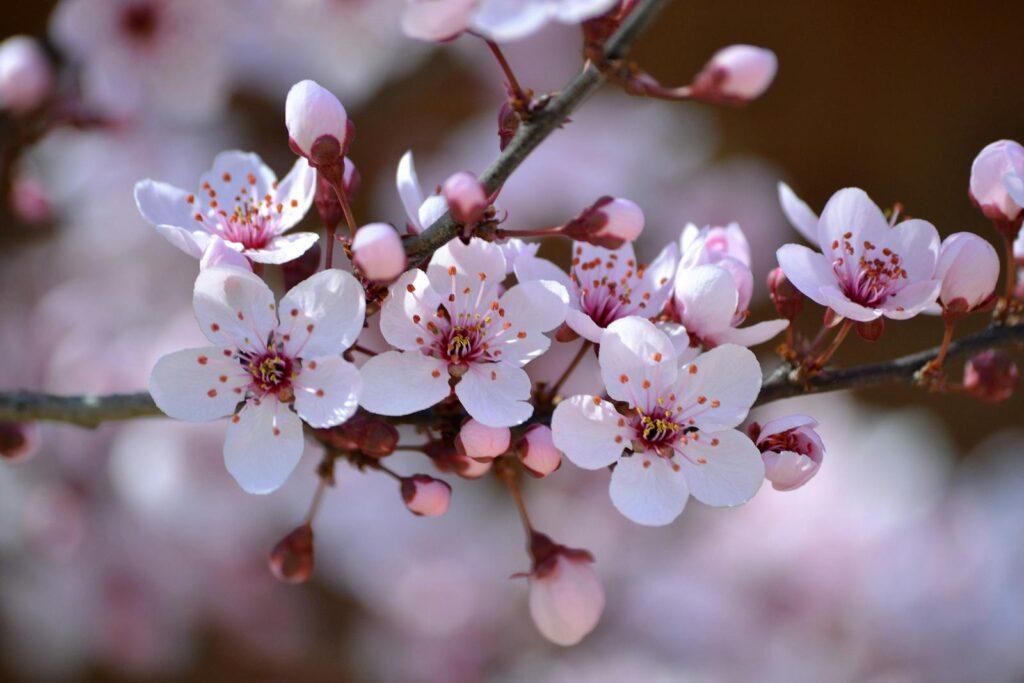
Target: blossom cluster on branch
x=336 y=337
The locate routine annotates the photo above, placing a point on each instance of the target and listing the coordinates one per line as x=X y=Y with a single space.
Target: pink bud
x=466 y=197
x=26 y=76
x=437 y=20
x=609 y=222
x=788 y=300
x=792 y=451
x=469 y=468
x=566 y=597
x=476 y=440
x=969 y=269
x=315 y=117
x=291 y=560
x=987 y=186
x=536 y=450
x=378 y=252
x=991 y=376
x=737 y=73
x=18 y=441
x=426 y=496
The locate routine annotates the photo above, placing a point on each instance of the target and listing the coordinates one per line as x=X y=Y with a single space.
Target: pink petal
x=496 y=394
x=647 y=490
x=638 y=361
x=322 y=315
x=327 y=391
x=399 y=383
x=587 y=430
x=197 y=385
x=722 y=468
x=234 y=308
x=728 y=378
x=263 y=446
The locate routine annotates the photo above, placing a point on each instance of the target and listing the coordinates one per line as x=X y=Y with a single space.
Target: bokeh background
x=128 y=553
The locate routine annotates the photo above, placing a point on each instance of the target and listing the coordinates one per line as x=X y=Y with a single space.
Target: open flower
x=606 y=285
x=238 y=200
x=868 y=268
x=669 y=431
x=451 y=324
x=270 y=367
x=500 y=20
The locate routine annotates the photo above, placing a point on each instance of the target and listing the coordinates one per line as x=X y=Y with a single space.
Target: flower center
x=602 y=297
x=271 y=373
x=658 y=430
x=870 y=278
x=247 y=227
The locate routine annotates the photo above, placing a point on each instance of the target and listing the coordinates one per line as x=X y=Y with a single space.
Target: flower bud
x=991 y=376
x=291 y=560
x=609 y=222
x=19 y=441
x=969 y=269
x=437 y=20
x=466 y=197
x=378 y=252
x=536 y=450
x=987 y=186
x=426 y=496
x=363 y=433
x=566 y=597
x=792 y=451
x=478 y=441
x=317 y=123
x=788 y=300
x=26 y=76
x=738 y=73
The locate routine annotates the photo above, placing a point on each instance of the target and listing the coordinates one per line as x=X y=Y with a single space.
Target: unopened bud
x=566 y=597
x=969 y=269
x=791 y=449
x=466 y=197
x=426 y=496
x=737 y=74
x=788 y=300
x=610 y=222
x=987 y=184
x=447 y=458
x=378 y=252
x=363 y=433
x=291 y=560
x=26 y=75
x=991 y=376
x=317 y=123
x=19 y=441
x=536 y=450
x=477 y=440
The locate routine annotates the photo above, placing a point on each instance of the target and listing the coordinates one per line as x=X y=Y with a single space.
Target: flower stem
x=834 y=346
x=318 y=497
x=947 y=337
x=553 y=391
x=329 y=247
x=1011 y=267
x=508 y=475
x=513 y=83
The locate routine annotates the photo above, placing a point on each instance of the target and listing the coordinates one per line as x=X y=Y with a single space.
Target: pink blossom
x=737 y=72
x=451 y=324
x=466 y=197
x=312 y=114
x=281 y=362
x=238 y=200
x=791 y=449
x=26 y=76
x=868 y=269
x=478 y=441
x=537 y=451
x=500 y=20
x=426 y=496
x=677 y=437
x=378 y=252
x=987 y=187
x=969 y=269
x=566 y=597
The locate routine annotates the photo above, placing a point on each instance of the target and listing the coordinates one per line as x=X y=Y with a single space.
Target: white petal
x=799 y=214
x=708 y=297
x=231 y=172
x=327 y=391
x=197 y=385
x=1014 y=185
x=220 y=253
x=322 y=315
x=577 y=11
x=163 y=204
x=912 y=299
x=298 y=186
x=842 y=305
x=583 y=325
x=432 y=208
x=728 y=379
x=396 y=383
x=234 y=308
x=536 y=306
x=652 y=495
x=656 y=287
x=808 y=270
x=283 y=248
x=263 y=446
x=680 y=339
x=477 y=260
x=528 y=268
x=409 y=189
x=917 y=242
x=496 y=394
x=722 y=468
x=751 y=335
x=193 y=243
x=401 y=309
x=503 y=20
x=588 y=430
x=638 y=361
x=850 y=210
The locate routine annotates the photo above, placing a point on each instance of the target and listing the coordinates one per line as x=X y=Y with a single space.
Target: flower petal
x=197 y=385
x=496 y=394
x=192 y=242
x=647 y=490
x=850 y=210
x=808 y=270
x=842 y=305
x=283 y=248
x=535 y=306
x=409 y=189
x=402 y=309
x=528 y=267
x=323 y=314
x=655 y=288
x=589 y=431
x=638 y=361
x=583 y=325
x=752 y=335
x=298 y=186
x=707 y=297
x=232 y=171
x=263 y=446
x=719 y=387
x=912 y=299
x=800 y=216
x=722 y=468
x=163 y=204
x=917 y=242
x=504 y=20
x=478 y=261
x=327 y=391
x=397 y=383
x=235 y=308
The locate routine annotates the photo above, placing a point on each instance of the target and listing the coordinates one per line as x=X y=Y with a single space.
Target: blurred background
x=128 y=552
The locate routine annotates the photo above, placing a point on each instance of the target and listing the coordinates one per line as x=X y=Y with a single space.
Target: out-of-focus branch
x=541 y=124
x=93 y=410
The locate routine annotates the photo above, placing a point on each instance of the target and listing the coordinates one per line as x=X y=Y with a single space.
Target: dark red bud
x=564 y=333
x=326 y=151
x=363 y=433
x=991 y=376
x=788 y=300
x=545 y=553
x=18 y=441
x=291 y=560
x=871 y=331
